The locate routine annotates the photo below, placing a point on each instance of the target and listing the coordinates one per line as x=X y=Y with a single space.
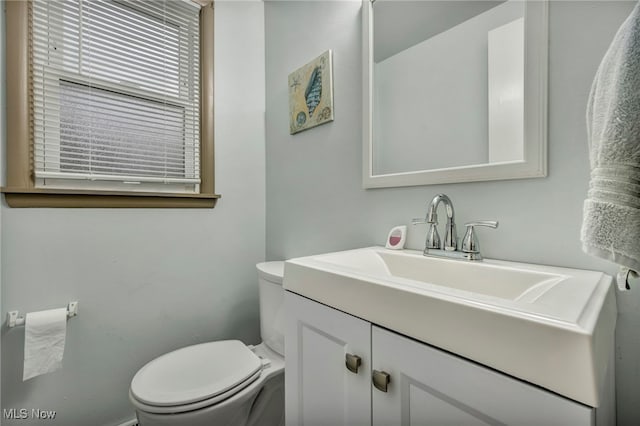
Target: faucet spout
x=432 y=216
x=450 y=237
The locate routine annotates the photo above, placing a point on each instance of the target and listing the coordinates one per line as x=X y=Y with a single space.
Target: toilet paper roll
x=45 y=334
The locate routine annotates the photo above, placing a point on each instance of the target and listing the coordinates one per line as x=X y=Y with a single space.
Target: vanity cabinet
x=426 y=386
x=319 y=390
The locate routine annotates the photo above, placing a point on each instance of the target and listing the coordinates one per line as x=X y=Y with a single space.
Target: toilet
x=223 y=382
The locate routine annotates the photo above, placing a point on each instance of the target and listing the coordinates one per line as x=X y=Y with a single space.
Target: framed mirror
x=454 y=91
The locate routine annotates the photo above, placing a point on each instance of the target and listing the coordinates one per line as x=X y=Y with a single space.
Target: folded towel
x=611 y=222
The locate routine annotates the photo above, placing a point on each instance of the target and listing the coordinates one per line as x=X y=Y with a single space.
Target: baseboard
x=133 y=422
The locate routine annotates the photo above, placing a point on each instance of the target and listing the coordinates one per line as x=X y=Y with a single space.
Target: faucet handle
x=421 y=221
x=470 y=245
x=433 y=238
x=487 y=223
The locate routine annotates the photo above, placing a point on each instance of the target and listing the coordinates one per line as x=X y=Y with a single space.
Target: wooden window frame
x=20 y=190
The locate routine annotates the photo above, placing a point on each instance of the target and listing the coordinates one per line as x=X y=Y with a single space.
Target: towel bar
x=623 y=278
x=13 y=318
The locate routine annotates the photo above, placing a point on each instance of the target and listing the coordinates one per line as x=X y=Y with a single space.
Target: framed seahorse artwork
x=311 y=94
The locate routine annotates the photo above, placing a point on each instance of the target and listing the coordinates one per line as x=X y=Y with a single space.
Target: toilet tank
x=271 y=305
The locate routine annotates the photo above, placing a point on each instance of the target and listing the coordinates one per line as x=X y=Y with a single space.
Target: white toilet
x=224 y=382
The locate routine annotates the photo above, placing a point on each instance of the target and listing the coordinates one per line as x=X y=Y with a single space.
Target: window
x=119 y=103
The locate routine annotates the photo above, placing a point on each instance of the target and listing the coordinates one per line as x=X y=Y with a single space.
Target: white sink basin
x=550 y=326
x=477 y=277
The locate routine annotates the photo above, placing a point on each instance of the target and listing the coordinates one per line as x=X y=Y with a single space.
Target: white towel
x=611 y=222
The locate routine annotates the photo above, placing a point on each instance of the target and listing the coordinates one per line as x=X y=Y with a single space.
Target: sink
x=550 y=326
x=478 y=277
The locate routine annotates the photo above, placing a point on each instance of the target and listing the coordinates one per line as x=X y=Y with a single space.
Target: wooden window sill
x=18 y=197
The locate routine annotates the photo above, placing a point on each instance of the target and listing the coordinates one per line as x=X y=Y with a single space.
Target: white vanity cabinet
x=319 y=390
x=427 y=386
x=433 y=387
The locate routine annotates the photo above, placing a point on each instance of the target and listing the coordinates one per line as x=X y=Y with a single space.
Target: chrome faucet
x=449 y=248
x=433 y=238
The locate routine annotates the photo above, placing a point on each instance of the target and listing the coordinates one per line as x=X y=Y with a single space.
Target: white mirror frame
x=535 y=113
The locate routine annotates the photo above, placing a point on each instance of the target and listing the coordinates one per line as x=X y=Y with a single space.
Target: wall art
x=311 y=94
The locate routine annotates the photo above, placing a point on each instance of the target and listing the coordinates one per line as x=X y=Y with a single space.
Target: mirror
x=454 y=91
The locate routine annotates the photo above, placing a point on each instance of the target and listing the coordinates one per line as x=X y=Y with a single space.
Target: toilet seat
x=195 y=377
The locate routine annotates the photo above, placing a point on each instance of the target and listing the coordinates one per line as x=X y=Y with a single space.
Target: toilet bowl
x=222 y=382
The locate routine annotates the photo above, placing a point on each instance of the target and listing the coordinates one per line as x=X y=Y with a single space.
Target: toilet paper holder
x=14 y=319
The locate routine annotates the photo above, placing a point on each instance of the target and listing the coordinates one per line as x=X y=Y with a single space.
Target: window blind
x=116 y=94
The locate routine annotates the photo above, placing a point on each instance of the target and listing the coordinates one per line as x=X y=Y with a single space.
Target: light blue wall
x=315 y=202
x=148 y=281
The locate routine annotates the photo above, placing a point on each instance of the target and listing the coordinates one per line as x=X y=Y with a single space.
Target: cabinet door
x=319 y=389
x=431 y=387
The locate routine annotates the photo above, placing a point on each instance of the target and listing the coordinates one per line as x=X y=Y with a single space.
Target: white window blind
x=116 y=94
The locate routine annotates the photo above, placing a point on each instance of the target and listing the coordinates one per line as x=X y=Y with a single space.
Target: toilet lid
x=195 y=373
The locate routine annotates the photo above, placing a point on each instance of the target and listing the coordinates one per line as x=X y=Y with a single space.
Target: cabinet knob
x=353 y=362
x=381 y=380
